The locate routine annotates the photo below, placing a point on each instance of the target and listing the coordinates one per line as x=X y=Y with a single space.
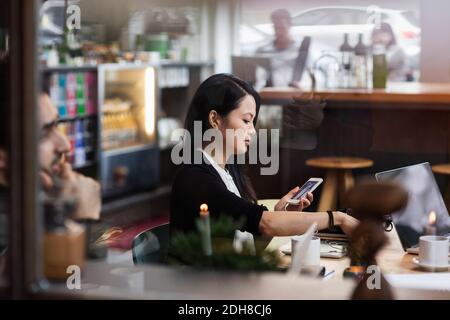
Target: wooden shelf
x=85 y=165
x=128 y=149
x=85 y=116
x=69 y=68
x=163 y=63
x=168 y=63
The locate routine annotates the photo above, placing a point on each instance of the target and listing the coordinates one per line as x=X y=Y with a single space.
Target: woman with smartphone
x=222 y=104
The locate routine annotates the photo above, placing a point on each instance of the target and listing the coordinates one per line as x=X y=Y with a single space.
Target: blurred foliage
x=186 y=249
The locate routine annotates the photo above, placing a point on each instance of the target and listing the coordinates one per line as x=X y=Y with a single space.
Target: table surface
x=125 y=281
x=392 y=259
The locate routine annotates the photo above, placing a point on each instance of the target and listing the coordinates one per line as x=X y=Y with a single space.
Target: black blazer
x=201 y=183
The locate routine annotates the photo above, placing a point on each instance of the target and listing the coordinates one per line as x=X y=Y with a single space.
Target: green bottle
x=380 y=69
x=63 y=51
x=81 y=103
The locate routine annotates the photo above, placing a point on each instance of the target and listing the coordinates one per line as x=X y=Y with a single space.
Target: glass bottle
x=347 y=53
x=64 y=47
x=380 y=70
x=361 y=68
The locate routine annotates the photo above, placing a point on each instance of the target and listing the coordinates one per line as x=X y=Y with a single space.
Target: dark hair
x=222 y=92
x=385 y=28
x=280 y=14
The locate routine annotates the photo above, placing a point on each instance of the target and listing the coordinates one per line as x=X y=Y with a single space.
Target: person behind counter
x=224 y=102
x=284 y=51
x=396 y=58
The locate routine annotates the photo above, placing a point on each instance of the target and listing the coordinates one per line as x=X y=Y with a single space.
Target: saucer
x=416 y=261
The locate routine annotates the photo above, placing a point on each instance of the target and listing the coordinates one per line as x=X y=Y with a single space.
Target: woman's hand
x=304 y=202
x=347 y=222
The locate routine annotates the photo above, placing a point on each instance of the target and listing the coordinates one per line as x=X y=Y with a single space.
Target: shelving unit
x=86 y=116
x=173 y=103
x=73 y=90
x=175 y=99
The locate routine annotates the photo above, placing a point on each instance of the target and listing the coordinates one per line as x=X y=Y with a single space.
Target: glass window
x=327 y=25
x=412 y=18
x=113 y=93
x=331 y=17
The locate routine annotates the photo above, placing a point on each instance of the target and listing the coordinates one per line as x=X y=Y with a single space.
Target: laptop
x=423 y=197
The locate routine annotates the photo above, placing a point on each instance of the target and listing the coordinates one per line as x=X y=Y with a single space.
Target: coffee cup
x=312 y=252
x=433 y=251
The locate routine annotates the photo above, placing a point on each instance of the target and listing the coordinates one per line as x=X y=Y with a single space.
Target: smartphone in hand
x=309 y=186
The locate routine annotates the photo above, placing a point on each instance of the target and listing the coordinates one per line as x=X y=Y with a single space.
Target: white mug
x=312 y=254
x=433 y=251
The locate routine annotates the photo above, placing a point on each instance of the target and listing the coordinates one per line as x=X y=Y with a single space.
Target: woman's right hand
x=347 y=223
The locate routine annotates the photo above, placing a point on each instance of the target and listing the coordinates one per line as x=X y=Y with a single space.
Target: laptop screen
x=423 y=197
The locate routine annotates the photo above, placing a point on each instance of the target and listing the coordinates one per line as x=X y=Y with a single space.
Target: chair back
x=151 y=245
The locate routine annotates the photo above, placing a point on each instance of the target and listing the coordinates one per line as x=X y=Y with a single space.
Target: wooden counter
x=396 y=92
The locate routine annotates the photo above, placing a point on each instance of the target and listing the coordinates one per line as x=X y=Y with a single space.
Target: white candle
x=430 y=229
x=206 y=230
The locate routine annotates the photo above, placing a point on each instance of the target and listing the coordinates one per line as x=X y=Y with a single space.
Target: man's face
x=281 y=27
x=52 y=143
x=382 y=38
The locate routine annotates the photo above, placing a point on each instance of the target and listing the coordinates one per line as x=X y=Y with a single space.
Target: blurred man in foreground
x=53 y=145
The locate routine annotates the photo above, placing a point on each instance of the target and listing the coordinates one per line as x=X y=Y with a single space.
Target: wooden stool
x=338 y=179
x=444 y=169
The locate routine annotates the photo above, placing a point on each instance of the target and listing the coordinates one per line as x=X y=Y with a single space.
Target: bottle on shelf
x=79 y=152
x=81 y=104
x=70 y=129
x=361 y=63
x=52 y=58
x=71 y=89
x=63 y=52
x=380 y=69
x=347 y=52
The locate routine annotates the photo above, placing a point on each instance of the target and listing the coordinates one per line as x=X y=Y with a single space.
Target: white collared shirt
x=240 y=238
x=224 y=174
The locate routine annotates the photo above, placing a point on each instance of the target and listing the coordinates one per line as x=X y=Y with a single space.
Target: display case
x=128 y=103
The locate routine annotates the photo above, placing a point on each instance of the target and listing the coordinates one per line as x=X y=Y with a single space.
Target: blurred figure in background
x=396 y=59
x=289 y=58
x=283 y=50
